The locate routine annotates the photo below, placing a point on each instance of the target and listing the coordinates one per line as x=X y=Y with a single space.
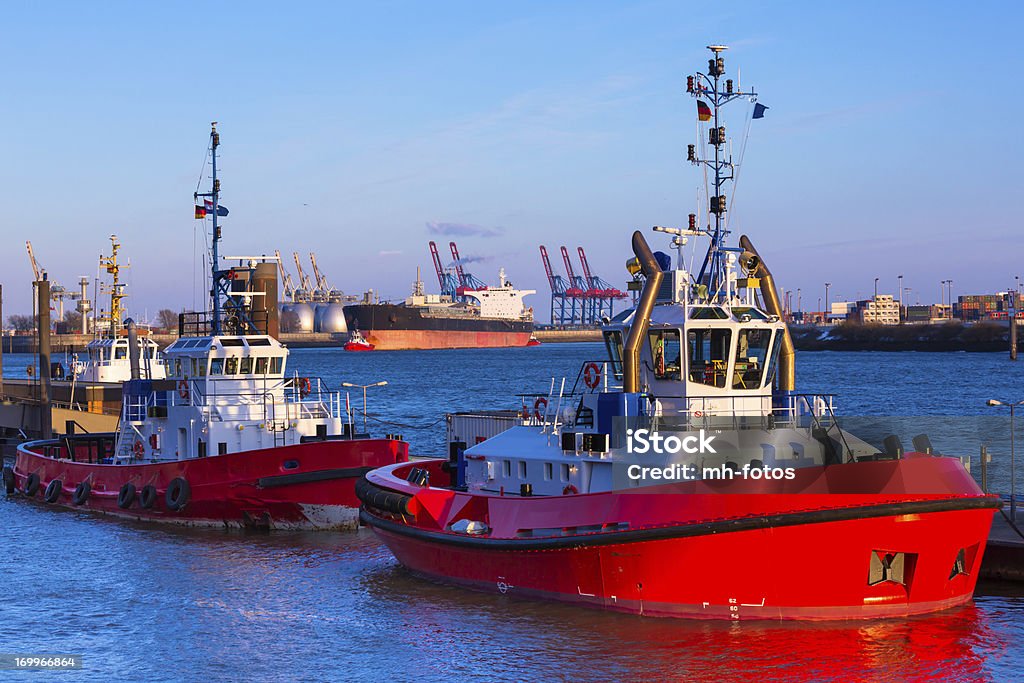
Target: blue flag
x=221 y=210
x=759 y=110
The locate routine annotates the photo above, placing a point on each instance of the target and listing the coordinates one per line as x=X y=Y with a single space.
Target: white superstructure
x=223 y=394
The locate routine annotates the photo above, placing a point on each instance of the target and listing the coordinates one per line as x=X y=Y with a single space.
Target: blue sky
x=892 y=143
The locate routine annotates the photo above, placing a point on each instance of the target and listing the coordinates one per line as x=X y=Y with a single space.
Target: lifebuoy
x=147 y=497
x=82 y=492
x=9 y=480
x=183 y=389
x=139 y=449
x=592 y=375
x=31 y=485
x=53 y=490
x=178 y=494
x=570 y=489
x=305 y=386
x=126 y=496
x=540 y=406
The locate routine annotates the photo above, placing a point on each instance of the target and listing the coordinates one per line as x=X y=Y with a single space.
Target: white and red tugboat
x=357 y=342
x=228 y=438
x=760 y=506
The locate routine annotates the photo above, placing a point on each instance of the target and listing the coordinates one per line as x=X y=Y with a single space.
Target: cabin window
x=120 y=353
x=245 y=367
x=275 y=365
x=564 y=472
x=666 y=354
x=217 y=366
x=177 y=367
x=773 y=363
x=709 y=356
x=751 y=358
x=231 y=365
x=200 y=366
x=261 y=366
x=708 y=313
x=522 y=469
x=506 y=468
x=548 y=471
x=613 y=341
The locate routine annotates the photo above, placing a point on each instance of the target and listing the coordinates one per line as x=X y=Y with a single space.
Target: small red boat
x=228 y=438
x=533 y=341
x=357 y=342
x=703 y=486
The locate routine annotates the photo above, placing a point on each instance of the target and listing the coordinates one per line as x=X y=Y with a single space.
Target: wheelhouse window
x=751 y=358
x=245 y=367
x=231 y=365
x=773 y=363
x=217 y=366
x=275 y=365
x=666 y=354
x=261 y=366
x=120 y=353
x=613 y=342
x=709 y=356
x=177 y=367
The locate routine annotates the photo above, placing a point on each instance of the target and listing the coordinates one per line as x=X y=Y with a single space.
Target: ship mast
x=711 y=97
x=110 y=264
x=214 y=194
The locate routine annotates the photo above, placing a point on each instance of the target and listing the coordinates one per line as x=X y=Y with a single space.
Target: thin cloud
x=462 y=229
x=389 y=252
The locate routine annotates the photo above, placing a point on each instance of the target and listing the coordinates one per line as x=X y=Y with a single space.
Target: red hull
x=730 y=554
x=394 y=340
x=305 y=486
x=353 y=346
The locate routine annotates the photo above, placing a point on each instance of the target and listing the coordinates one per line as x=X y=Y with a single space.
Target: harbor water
x=154 y=603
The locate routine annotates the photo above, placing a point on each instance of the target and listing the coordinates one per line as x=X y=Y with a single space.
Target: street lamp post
x=876 y=288
x=364 y=387
x=901 y=297
x=827 y=285
x=1013 y=475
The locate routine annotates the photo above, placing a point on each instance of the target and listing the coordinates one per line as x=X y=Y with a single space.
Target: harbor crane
x=305 y=288
x=286 y=278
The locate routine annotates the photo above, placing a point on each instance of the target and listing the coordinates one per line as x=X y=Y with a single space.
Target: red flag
x=200 y=212
x=703 y=111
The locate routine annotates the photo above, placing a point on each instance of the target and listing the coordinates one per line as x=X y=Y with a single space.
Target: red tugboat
x=759 y=504
x=357 y=342
x=227 y=439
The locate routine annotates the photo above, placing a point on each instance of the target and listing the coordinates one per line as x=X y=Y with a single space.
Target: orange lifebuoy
x=570 y=489
x=540 y=406
x=305 y=386
x=592 y=375
x=183 y=389
x=139 y=449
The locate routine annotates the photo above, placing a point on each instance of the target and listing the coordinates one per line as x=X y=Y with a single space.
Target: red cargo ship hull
x=710 y=551
x=304 y=486
x=396 y=340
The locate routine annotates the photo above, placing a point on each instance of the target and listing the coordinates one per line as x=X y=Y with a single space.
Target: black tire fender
x=126 y=496
x=53 y=491
x=81 y=493
x=178 y=494
x=147 y=497
x=32 y=485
